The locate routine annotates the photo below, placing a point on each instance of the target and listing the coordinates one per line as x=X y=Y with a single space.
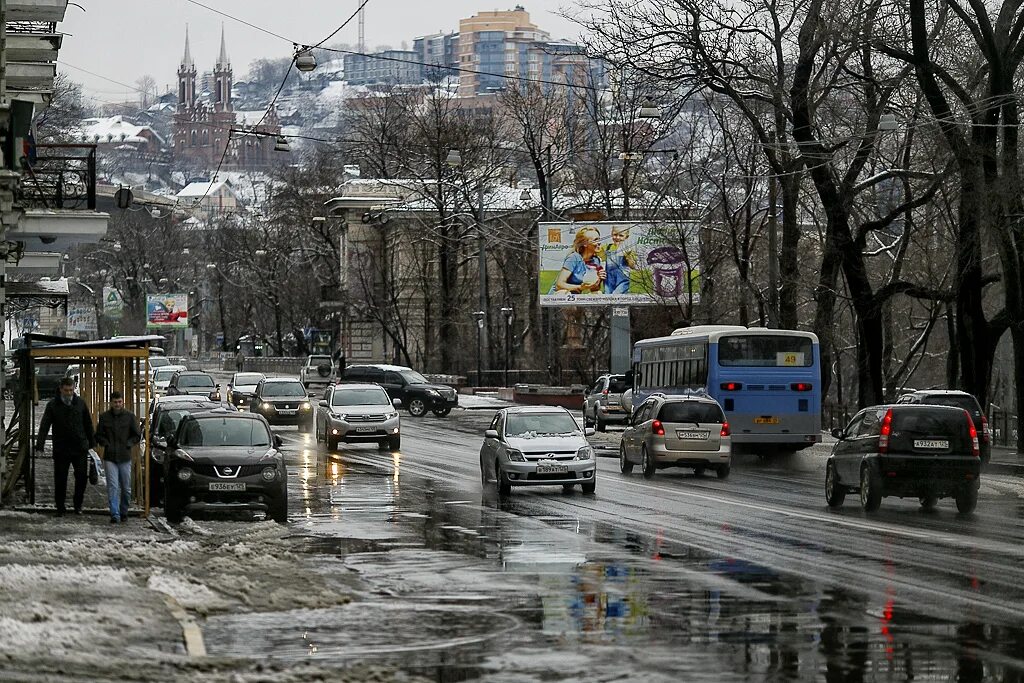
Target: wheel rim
x=830 y=480
x=622 y=457
x=865 y=486
x=646 y=459
x=416 y=407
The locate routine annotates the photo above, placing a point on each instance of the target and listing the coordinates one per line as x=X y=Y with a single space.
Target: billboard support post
x=621 y=340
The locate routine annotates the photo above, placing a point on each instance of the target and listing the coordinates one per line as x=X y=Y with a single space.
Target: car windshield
x=198 y=381
x=225 y=431
x=413 y=377
x=171 y=418
x=765 y=351
x=163 y=375
x=284 y=390
x=158 y=362
x=246 y=379
x=617 y=385
x=691 y=411
x=529 y=425
x=360 y=397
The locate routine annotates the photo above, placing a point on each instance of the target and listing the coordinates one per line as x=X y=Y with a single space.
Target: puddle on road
x=465 y=589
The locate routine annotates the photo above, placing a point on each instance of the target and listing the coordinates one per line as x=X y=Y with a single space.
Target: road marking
x=189 y=629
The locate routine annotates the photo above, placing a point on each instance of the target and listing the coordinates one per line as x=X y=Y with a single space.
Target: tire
x=723 y=471
x=442 y=412
x=503 y=486
x=316 y=431
x=647 y=463
x=8 y=394
x=625 y=466
x=835 y=493
x=698 y=472
x=966 y=500
x=929 y=502
x=332 y=444
x=567 y=488
x=324 y=370
x=278 y=509
x=601 y=426
x=589 y=487
x=870 y=489
x=587 y=422
x=395 y=443
x=417 y=407
x=382 y=445
x=173 y=511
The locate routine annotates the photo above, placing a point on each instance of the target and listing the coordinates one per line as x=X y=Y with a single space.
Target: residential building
x=390 y=67
x=208 y=199
x=438 y=50
x=496 y=44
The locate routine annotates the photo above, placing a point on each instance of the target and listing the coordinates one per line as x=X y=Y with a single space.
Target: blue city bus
x=768 y=381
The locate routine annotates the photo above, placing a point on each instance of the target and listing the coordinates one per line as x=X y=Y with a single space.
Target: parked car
x=222 y=460
x=358 y=413
x=920 y=451
x=192 y=382
x=282 y=401
x=242 y=387
x=537 y=445
x=957 y=399
x=162 y=378
x=602 y=402
x=412 y=389
x=318 y=371
x=166 y=414
x=158 y=362
x=677 y=431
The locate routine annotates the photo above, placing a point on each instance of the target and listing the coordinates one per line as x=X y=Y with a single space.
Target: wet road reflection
x=464 y=586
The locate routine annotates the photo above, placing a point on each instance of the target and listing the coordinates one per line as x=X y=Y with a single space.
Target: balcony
x=36 y=10
x=60 y=177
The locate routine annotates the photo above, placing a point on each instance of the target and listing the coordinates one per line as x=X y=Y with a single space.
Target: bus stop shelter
x=100 y=367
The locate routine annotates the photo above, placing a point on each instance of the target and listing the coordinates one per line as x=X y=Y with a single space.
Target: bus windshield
x=765 y=351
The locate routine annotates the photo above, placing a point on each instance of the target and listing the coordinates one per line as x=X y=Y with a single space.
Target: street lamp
x=509 y=313
x=480 y=316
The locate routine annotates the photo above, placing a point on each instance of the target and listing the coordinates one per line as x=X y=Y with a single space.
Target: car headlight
x=184 y=474
x=434 y=393
x=304 y=406
x=269 y=473
x=267 y=406
x=515 y=455
x=585 y=453
x=391 y=416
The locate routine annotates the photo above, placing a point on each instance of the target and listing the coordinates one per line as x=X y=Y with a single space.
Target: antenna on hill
x=362 y=28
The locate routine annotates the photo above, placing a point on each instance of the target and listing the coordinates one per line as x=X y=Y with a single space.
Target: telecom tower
x=362 y=28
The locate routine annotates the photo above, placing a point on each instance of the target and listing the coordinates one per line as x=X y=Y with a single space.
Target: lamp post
x=508 y=312
x=480 y=316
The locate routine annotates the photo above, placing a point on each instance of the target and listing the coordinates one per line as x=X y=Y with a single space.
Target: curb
x=1003 y=468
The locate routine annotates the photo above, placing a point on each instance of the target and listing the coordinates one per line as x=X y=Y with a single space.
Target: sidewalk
x=1006 y=461
x=95 y=501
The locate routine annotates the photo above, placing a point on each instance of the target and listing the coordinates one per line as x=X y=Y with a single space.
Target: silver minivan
x=677 y=431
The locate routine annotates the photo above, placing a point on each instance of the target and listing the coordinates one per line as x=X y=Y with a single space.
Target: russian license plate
x=931 y=443
x=365 y=430
x=227 y=486
x=766 y=420
x=551 y=468
x=283 y=411
x=692 y=435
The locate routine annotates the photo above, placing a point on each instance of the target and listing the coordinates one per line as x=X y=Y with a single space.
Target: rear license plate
x=546 y=468
x=765 y=420
x=931 y=443
x=226 y=486
x=282 y=411
x=365 y=430
x=692 y=435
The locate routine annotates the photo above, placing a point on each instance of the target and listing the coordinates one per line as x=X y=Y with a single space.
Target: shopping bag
x=96 y=474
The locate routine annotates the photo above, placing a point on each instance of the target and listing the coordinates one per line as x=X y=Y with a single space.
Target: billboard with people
x=615 y=263
x=166 y=310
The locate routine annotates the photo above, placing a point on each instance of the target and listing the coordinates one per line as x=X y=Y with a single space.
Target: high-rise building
x=436 y=52
x=498 y=44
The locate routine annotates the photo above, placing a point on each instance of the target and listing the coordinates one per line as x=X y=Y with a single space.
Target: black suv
x=194 y=383
x=416 y=394
x=283 y=401
x=957 y=399
x=920 y=451
x=225 y=460
x=167 y=413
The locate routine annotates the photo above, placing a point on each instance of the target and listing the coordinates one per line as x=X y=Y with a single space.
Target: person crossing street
x=118 y=431
x=73 y=436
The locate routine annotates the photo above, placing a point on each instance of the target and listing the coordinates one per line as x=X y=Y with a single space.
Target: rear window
x=617 y=385
x=923 y=423
x=691 y=411
x=968 y=403
x=191 y=381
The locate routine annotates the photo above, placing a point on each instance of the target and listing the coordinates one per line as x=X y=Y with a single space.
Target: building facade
x=390 y=67
x=495 y=45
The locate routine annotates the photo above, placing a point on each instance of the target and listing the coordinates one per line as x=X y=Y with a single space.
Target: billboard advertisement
x=82 y=319
x=165 y=311
x=113 y=304
x=618 y=263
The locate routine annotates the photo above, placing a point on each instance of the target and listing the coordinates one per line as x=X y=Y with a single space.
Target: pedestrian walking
x=73 y=436
x=239 y=361
x=340 y=361
x=118 y=431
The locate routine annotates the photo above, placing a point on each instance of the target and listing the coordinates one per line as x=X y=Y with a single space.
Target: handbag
x=96 y=472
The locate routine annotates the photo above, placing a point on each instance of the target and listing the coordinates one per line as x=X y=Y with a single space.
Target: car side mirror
x=323 y=403
x=171 y=443
x=277 y=441
x=396 y=403
x=839 y=434
x=589 y=431
x=491 y=434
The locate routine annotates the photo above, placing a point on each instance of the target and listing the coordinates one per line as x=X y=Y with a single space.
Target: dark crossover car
x=242 y=387
x=957 y=399
x=192 y=382
x=283 y=401
x=222 y=460
x=358 y=413
x=166 y=414
x=917 y=451
x=602 y=402
x=412 y=389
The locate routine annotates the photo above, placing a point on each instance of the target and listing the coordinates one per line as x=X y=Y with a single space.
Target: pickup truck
x=318 y=371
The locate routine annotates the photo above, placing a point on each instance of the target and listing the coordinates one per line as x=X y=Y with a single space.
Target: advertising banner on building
x=165 y=311
x=113 y=304
x=618 y=263
x=82 y=319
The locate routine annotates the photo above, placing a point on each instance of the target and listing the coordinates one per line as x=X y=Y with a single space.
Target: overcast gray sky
x=122 y=40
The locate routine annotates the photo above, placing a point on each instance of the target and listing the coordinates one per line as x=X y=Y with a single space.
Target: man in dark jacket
x=118 y=431
x=73 y=436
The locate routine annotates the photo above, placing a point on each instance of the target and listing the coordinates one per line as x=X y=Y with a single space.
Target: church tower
x=222 y=79
x=186 y=79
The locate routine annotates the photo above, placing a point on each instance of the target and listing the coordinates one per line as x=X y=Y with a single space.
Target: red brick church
x=204 y=118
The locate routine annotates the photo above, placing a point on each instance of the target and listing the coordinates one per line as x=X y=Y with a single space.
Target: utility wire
x=346 y=23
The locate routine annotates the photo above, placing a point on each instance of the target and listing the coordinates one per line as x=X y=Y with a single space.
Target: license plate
x=226 y=486
x=546 y=468
x=931 y=443
x=766 y=420
x=282 y=411
x=692 y=435
x=365 y=430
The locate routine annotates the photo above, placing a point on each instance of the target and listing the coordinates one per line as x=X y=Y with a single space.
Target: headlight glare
x=267 y=406
x=304 y=406
x=515 y=455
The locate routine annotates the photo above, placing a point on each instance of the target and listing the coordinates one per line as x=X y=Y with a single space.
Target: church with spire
x=205 y=121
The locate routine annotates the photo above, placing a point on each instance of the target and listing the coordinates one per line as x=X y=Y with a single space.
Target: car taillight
x=972 y=430
x=658 y=428
x=883 y=436
x=984 y=429
x=604 y=393
x=731 y=386
x=725 y=429
x=800 y=386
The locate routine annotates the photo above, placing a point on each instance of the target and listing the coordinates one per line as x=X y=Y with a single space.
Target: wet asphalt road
x=676 y=578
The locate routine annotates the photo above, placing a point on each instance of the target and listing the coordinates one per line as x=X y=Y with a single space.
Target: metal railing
x=59 y=177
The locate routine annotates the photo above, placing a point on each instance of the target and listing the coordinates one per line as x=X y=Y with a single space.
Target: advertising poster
x=618 y=263
x=82 y=319
x=165 y=311
x=113 y=304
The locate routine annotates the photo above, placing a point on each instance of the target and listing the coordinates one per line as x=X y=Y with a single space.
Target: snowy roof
x=204 y=189
x=114 y=129
x=250 y=118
